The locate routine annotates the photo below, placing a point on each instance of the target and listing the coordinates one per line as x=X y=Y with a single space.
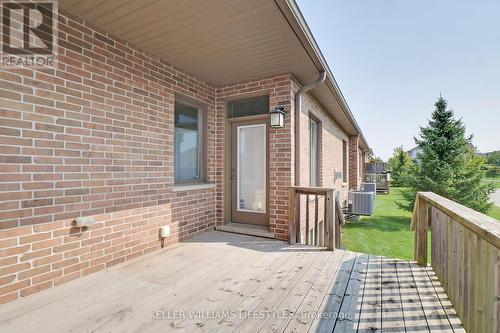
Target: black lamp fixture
x=277 y=117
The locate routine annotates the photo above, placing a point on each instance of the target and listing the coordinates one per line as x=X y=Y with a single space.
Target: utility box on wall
x=165 y=231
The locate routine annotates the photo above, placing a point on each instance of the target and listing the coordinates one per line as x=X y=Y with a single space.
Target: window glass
x=314 y=153
x=344 y=161
x=248 y=107
x=187 y=143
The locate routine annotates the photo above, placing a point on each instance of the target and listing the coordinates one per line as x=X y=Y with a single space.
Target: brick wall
x=281 y=167
x=331 y=137
x=330 y=154
x=93 y=137
x=354 y=172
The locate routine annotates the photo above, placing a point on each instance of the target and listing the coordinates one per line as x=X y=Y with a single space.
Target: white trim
x=192 y=187
x=238 y=128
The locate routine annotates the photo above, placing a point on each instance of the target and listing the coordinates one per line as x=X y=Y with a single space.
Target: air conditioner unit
x=368 y=187
x=361 y=203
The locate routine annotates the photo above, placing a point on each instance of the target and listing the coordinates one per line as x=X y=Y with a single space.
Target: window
x=314 y=179
x=344 y=161
x=189 y=144
x=360 y=165
x=248 y=107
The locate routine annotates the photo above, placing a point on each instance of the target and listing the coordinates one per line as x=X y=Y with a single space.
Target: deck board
x=222 y=282
x=392 y=308
x=370 y=318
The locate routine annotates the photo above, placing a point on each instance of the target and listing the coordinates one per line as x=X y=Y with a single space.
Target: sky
x=393 y=58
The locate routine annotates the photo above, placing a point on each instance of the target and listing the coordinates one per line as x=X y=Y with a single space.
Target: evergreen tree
x=447 y=164
x=401 y=165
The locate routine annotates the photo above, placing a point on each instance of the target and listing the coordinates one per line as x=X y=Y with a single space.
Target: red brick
x=9 y=297
x=47 y=260
x=7 y=279
x=14 y=268
x=34 y=238
x=46 y=277
x=14 y=286
x=33 y=272
x=66 y=278
x=9 y=242
x=35 y=254
x=36 y=288
x=14 y=250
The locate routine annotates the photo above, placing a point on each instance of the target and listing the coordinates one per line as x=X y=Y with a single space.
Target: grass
x=494 y=181
x=495 y=212
x=387 y=232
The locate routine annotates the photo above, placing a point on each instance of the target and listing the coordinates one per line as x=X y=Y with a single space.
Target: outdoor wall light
x=277 y=117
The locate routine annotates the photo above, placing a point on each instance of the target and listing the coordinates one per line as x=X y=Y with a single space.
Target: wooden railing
x=319 y=228
x=465 y=249
x=381 y=179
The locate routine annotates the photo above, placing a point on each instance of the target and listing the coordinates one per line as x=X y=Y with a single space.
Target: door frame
x=228 y=144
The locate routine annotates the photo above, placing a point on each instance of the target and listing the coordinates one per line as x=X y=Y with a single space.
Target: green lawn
x=494 y=181
x=387 y=232
x=495 y=212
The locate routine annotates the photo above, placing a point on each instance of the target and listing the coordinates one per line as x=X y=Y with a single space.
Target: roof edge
x=303 y=33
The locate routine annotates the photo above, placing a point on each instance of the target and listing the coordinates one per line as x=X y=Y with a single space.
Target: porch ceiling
x=220 y=41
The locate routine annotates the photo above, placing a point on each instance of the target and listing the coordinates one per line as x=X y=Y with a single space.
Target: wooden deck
x=222 y=282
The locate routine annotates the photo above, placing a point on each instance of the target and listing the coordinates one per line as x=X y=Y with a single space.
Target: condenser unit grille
x=362 y=203
x=368 y=187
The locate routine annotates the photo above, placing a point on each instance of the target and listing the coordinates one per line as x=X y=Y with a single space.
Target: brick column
x=354 y=172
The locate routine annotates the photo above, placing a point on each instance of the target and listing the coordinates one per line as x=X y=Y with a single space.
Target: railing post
x=292 y=232
x=421 y=225
x=330 y=220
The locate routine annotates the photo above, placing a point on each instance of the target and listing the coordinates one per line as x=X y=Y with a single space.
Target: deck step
x=246 y=229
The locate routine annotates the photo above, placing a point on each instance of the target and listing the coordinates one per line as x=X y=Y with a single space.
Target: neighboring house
x=159 y=115
x=417 y=150
x=414 y=152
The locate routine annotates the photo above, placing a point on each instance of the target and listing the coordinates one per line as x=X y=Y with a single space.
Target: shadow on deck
x=222 y=282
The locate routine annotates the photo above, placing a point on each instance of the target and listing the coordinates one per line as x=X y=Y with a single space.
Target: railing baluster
x=292 y=209
x=297 y=217
x=316 y=222
x=307 y=220
x=323 y=231
x=330 y=217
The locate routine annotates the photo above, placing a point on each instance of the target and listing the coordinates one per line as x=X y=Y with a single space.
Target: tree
x=447 y=163
x=401 y=165
x=376 y=159
x=492 y=171
x=494 y=158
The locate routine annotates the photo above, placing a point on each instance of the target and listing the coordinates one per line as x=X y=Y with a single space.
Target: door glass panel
x=251 y=174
